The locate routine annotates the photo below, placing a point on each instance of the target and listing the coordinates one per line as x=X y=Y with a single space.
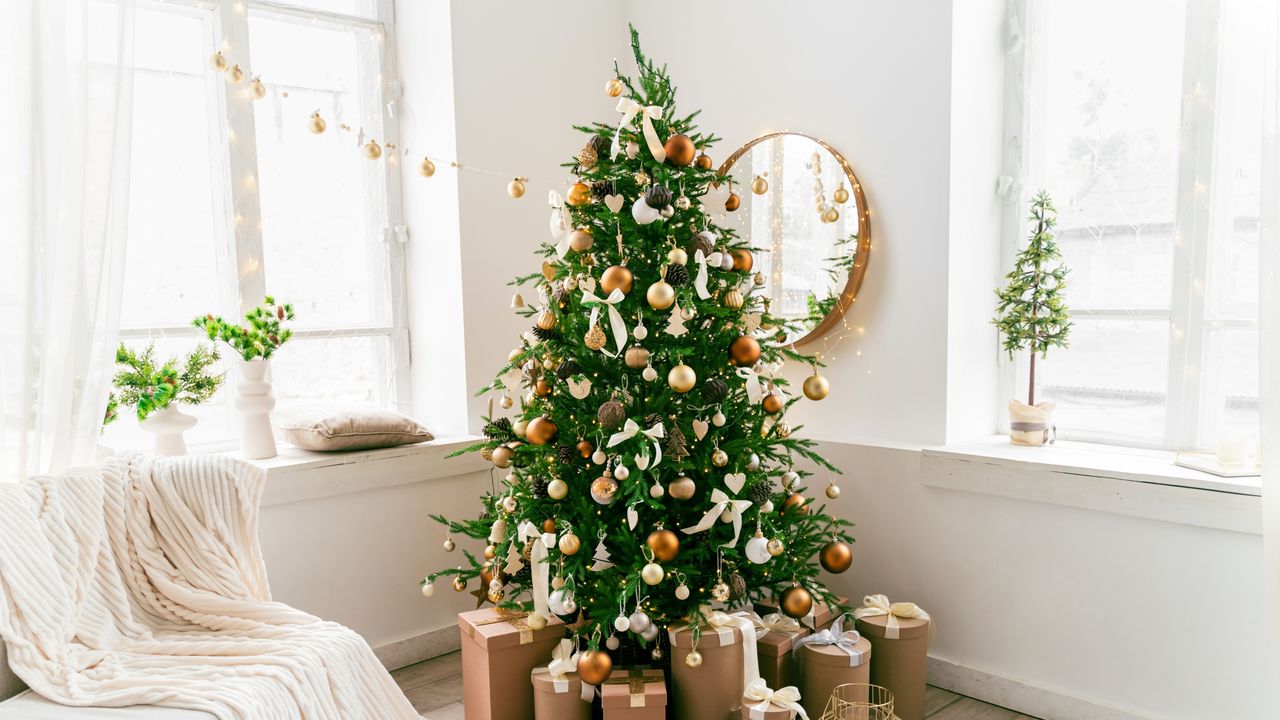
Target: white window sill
x=1124 y=481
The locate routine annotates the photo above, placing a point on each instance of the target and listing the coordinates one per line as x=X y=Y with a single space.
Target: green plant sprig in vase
x=154 y=389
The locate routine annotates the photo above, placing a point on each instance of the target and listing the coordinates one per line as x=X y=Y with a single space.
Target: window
x=232 y=196
x=1144 y=122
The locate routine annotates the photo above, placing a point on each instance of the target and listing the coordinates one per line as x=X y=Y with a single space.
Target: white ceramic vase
x=168 y=424
x=1031 y=424
x=255 y=401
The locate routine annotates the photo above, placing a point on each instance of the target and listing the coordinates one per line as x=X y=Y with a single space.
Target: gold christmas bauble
x=784 y=430
x=831 y=215
x=579 y=194
x=218 y=62
x=703 y=162
x=570 y=544
x=775 y=547
x=682 y=488
x=557 y=489
x=637 y=358
x=547 y=320
x=459 y=584
x=759 y=186
x=536 y=622
x=652 y=573
x=677 y=256
x=580 y=240
x=816 y=387
x=693 y=659
x=316 y=123
x=427 y=168
x=744 y=351
x=664 y=544
x=732 y=299
x=372 y=149
x=595 y=338
x=541 y=431
x=772 y=403
x=719 y=458
x=720 y=591
x=542 y=388
x=732 y=202
x=594 y=666
x=449 y=545
x=490 y=550
x=660 y=295
x=604 y=489
x=796 y=602
x=836 y=556
x=680 y=150
x=234 y=74
x=548 y=525
x=743 y=261
x=841 y=195
x=833 y=491
x=616 y=277
x=682 y=378
x=613 y=88
x=519 y=427
x=795 y=500
x=502 y=456
x=256 y=89
x=515 y=188
x=585 y=449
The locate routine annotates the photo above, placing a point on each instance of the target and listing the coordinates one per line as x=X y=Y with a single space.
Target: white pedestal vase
x=168 y=424
x=255 y=401
x=1031 y=425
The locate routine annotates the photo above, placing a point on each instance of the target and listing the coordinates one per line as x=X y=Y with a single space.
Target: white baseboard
x=416 y=648
x=1019 y=695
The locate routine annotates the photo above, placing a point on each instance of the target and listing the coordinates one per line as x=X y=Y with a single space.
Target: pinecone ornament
x=539 y=486
x=737 y=587
x=565 y=454
x=677 y=275
x=600 y=188
x=760 y=493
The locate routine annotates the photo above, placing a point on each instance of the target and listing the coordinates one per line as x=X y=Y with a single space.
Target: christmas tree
x=648 y=468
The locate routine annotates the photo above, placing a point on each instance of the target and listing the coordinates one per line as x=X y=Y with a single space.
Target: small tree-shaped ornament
x=1033 y=317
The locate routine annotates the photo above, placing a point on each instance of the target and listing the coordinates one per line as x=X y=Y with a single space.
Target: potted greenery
x=1032 y=316
x=156 y=390
x=255 y=341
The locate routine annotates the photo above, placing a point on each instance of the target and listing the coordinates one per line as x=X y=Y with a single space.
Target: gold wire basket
x=859 y=701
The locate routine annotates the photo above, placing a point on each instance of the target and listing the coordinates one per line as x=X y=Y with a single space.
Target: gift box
x=899 y=635
x=633 y=694
x=775 y=639
x=829 y=658
x=558 y=692
x=761 y=702
x=819 y=617
x=498 y=645
x=712 y=690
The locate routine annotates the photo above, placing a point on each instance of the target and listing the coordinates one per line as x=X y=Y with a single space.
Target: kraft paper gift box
x=819 y=617
x=712 y=691
x=558 y=692
x=899 y=635
x=829 y=658
x=499 y=650
x=634 y=694
x=764 y=703
x=775 y=638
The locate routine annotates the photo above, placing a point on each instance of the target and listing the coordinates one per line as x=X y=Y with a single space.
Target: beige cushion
x=354 y=430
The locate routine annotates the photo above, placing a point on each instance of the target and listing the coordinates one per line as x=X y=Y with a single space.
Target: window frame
x=240 y=258
x=1202 y=149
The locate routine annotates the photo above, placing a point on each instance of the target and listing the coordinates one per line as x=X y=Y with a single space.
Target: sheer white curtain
x=63 y=198
x=1269 y=305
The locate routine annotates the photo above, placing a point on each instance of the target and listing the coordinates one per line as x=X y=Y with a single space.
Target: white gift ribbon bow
x=719 y=621
x=562 y=660
x=875 y=605
x=615 y=318
x=560 y=223
x=700 y=281
x=629 y=109
x=836 y=635
x=720 y=503
x=631 y=428
x=785 y=697
x=774 y=622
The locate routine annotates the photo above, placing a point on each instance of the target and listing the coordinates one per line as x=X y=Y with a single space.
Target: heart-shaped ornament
x=700 y=428
x=642 y=462
x=614 y=202
x=735 y=481
x=632 y=517
x=579 y=386
x=588 y=283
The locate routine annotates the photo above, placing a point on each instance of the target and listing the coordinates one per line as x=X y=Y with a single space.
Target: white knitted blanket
x=142 y=583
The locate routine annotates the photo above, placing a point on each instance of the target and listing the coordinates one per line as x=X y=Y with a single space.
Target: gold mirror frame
x=862 y=254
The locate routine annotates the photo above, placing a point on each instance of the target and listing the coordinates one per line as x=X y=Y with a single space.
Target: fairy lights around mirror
x=810 y=226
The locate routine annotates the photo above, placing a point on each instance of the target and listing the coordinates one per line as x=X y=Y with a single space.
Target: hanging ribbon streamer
x=631 y=428
x=541 y=577
x=838 y=637
x=755 y=392
x=874 y=605
x=629 y=109
x=561 y=222
x=615 y=318
x=786 y=697
x=722 y=625
x=700 y=280
x=721 y=502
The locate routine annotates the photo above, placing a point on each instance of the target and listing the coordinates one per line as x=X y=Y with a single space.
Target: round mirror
x=803 y=212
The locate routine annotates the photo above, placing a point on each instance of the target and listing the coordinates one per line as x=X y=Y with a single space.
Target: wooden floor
x=435 y=689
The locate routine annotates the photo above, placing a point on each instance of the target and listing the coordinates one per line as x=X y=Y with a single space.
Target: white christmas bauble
x=495 y=585
x=557 y=489
x=758 y=550
x=509 y=503
x=718 y=419
x=767 y=507
x=650 y=633
x=753 y=462
x=656 y=491
x=428 y=590
x=726 y=516
x=649 y=374
x=570 y=605
x=667 y=211
x=640 y=332
x=561 y=602
x=621 y=472
x=633 y=149
x=682 y=592
x=557 y=582
x=713 y=260
x=790 y=477
x=598 y=457
x=613 y=642
x=726 y=261
x=536 y=621
x=639 y=621
x=652 y=574
x=621 y=623
x=642 y=213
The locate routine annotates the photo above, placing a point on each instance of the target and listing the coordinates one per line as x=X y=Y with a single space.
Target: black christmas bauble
x=657 y=197
x=567 y=368
x=611 y=415
x=714 y=390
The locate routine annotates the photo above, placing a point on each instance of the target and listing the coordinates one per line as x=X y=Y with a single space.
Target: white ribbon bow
x=755 y=391
x=785 y=697
x=700 y=281
x=874 y=605
x=541 y=577
x=562 y=660
x=560 y=223
x=615 y=318
x=631 y=428
x=721 y=502
x=774 y=622
x=629 y=109
x=837 y=636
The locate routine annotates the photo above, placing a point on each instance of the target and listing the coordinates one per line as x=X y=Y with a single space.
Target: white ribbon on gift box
x=838 y=637
x=875 y=605
x=615 y=318
x=629 y=109
x=720 y=503
x=631 y=428
x=773 y=622
x=564 y=660
x=787 y=698
x=723 y=624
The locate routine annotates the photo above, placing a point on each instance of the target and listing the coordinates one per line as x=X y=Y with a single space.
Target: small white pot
x=1031 y=425
x=168 y=424
x=255 y=402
